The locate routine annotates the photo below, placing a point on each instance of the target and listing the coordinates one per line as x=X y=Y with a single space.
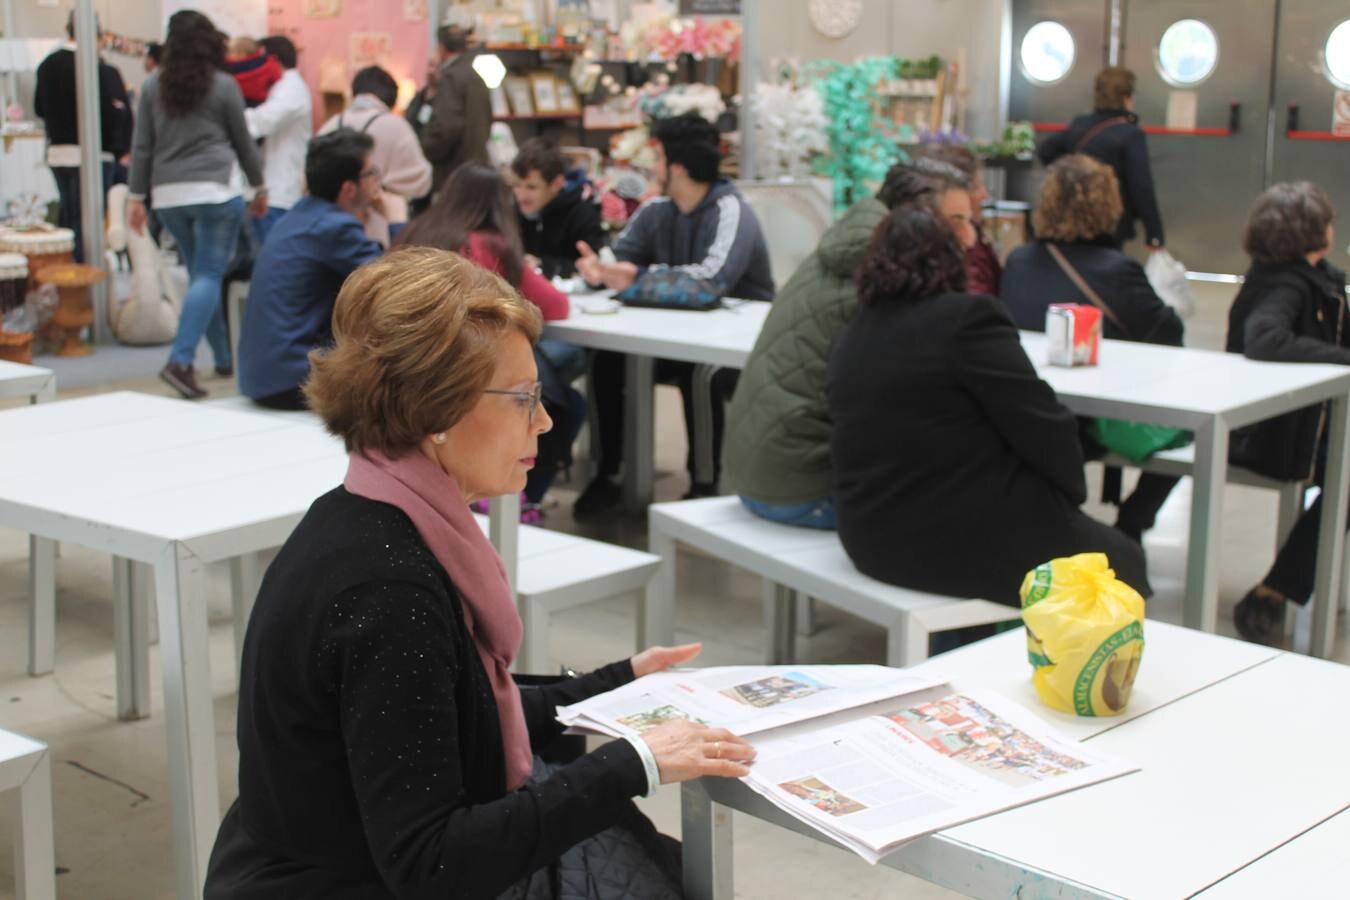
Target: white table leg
x=706 y=835
x=504 y=532
x=533 y=658
x=639 y=415
x=42 y=609
x=1202 y=562
x=180 y=595
x=131 y=639
x=806 y=616
x=1331 y=534
x=245 y=578
x=705 y=466
x=779 y=622
x=34 y=850
x=46 y=393
x=656 y=615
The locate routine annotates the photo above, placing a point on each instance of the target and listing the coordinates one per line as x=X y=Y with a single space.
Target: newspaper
x=870 y=773
x=742 y=699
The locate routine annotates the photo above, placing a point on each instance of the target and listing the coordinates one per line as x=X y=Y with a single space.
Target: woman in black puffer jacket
x=1291 y=309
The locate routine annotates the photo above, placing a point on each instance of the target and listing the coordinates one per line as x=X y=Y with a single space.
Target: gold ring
x=717 y=750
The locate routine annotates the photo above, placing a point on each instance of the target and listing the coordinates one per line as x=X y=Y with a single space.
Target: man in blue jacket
x=701 y=226
x=296 y=278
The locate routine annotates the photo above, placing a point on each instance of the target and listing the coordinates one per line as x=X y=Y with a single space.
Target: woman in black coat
x=956 y=468
x=385 y=750
x=1111 y=134
x=1077 y=208
x=1291 y=308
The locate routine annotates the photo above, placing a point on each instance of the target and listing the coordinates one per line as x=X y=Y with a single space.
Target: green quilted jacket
x=778 y=428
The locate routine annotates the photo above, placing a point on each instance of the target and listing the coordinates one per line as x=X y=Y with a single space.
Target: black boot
x=1259 y=619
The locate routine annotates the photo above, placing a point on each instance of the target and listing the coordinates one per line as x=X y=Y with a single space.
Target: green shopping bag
x=1136 y=441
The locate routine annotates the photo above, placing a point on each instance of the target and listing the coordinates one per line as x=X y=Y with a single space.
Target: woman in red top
x=475 y=215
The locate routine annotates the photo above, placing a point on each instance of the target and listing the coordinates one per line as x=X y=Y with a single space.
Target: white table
x=34 y=382
x=26 y=769
x=1240 y=750
x=175 y=486
x=1206 y=392
x=1211 y=394
x=721 y=337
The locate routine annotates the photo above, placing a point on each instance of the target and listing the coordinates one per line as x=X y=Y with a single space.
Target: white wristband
x=648 y=764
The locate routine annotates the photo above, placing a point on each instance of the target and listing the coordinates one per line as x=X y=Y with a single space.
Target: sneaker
x=183 y=380
x=531 y=514
x=224 y=371
x=482 y=507
x=601 y=494
x=1259 y=619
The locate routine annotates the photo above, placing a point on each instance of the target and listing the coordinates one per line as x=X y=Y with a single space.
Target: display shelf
x=538 y=117
x=542 y=48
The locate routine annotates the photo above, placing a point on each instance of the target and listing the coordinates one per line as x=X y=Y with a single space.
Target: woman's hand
x=136 y=216
x=658 y=659
x=685 y=750
x=257 y=207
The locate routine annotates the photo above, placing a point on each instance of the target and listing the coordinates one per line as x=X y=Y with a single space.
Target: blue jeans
x=262 y=227
x=206 y=235
x=815 y=514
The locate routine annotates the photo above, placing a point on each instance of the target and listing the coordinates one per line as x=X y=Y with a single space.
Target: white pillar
x=750 y=40
x=91 y=161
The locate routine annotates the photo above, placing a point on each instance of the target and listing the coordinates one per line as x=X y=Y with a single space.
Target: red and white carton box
x=1074 y=333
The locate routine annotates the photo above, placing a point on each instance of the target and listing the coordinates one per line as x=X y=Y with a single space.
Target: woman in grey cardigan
x=190 y=131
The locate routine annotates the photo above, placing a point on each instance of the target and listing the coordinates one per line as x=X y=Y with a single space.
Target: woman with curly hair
x=1075 y=221
x=956 y=469
x=190 y=131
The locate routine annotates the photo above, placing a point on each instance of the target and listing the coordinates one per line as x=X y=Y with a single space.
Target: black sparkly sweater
x=370 y=753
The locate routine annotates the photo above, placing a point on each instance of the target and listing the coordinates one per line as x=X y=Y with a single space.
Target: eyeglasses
x=530 y=398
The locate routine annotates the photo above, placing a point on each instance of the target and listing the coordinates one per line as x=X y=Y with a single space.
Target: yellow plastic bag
x=1085 y=634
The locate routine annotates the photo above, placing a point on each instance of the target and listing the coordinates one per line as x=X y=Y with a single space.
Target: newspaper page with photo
x=742 y=699
x=878 y=777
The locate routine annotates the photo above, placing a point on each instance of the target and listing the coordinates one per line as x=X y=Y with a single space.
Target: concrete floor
x=113 y=838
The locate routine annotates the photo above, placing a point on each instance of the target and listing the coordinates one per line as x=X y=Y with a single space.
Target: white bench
x=20 y=380
x=1181 y=463
x=798 y=561
x=26 y=768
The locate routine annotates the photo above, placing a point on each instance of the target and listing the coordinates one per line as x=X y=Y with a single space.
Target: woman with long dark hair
x=475 y=215
x=190 y=132
x=956 y=468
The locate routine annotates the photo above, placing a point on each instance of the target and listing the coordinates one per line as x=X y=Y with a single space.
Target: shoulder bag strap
x=1082 y=285
x=1096 y=130
x=370 y=121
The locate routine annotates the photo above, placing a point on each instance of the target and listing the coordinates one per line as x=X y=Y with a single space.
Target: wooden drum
x=42 y=245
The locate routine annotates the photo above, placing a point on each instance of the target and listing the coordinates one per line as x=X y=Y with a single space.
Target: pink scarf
x=437 y=508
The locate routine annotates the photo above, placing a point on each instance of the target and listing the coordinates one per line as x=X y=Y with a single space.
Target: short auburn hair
x=1287 y=222
x=1079 y=201
x=1112 y=86
x=913 y=254
x=539 y=155
x=416 y=336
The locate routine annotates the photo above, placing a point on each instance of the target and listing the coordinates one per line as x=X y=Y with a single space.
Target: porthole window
x=1047 y=52
x=1187 y=53
x=1336 y=55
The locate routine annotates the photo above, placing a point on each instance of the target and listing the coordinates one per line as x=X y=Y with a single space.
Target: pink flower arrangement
x=697 y=37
